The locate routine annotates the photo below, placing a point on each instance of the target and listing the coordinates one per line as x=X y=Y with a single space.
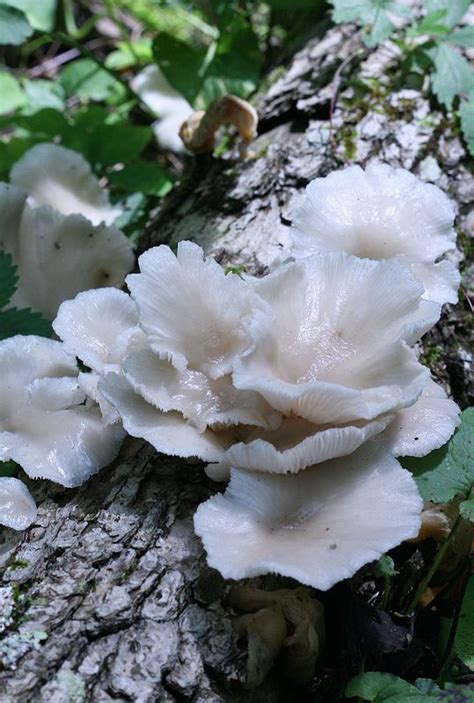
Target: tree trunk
x=108 y=597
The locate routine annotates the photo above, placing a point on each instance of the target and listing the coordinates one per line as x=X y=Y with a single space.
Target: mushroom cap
x=99 y=326
x=318 y=526
x=44 y=425
x=55 y=176
x=424 y=426
x=17 y=507
x=192 y=312
x=59 y=256
x=380 y=213
x=336 y=347
x=154 y=90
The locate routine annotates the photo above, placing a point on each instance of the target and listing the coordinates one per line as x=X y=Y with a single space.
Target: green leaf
x=374 y=13
x=11 y=151
x=8 y=468
x=448 y=471
x=462 y=37
x=25 y=321
x=111 y=144
x=14 y=321
x=8 y=278
x=452 y=75
x=431 y=24
x=383 y=688
x=386 y=688
x=11 y=94
x=143 y=177
x=45 y=124
x=182 y=64
x=235 y=68
x=464 y=639
x=127 y=55
x=39 y=13
x=14 y=27
x=41 y=94
x=466 y=509
x=455 y=9
x=293 y=5
x=85 y=79
x=466 y=113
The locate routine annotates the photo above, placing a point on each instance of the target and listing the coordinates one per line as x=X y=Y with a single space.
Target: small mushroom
x=62 y=179
x=318 y=526
x=17 y=507
x=172 y=109
x=198 y=132
x=381 y=213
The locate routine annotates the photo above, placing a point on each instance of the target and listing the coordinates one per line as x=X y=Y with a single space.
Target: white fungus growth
x=172 y=109
x=17 y=507
x=318 y=526
x=44 y=425
x=62 y=179
x=381 y=213
x=58 y=255
x=302 y=386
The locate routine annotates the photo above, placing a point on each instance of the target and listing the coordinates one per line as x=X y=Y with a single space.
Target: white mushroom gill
x=381 y=213
x=17 y=507
x=44 y=425
x=62 y=179
x=318 y=526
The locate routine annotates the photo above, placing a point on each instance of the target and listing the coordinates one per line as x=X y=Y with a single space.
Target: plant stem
x=425 y=582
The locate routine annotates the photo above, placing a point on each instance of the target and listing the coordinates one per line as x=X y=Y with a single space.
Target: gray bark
x=108 y=596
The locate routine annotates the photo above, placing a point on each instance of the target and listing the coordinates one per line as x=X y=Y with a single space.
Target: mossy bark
x=108 y=596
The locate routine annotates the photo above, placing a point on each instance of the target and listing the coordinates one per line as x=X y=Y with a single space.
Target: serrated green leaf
x=462 y=37
x=455 y=9
x=464 y=639
x=84 y=78
x=11 y=94
x=14 y=27
x=143 y=177
x=431 y=24
x=448 y=471
x=25 y=321
x=452 y=75
x=8 y=278
x=466 y=113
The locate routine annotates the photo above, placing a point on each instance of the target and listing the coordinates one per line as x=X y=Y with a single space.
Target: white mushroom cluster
x=301 y=387
x=57 y=226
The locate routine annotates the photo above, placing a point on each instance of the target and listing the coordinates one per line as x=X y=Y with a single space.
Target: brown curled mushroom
x=199 y=130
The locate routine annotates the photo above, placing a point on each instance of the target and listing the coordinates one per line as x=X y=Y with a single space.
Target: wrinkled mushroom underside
x=108 y=596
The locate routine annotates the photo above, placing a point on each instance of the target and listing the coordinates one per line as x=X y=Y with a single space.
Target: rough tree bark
x=108 y=596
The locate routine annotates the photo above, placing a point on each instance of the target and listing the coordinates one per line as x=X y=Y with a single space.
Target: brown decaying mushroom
x=199 y=130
